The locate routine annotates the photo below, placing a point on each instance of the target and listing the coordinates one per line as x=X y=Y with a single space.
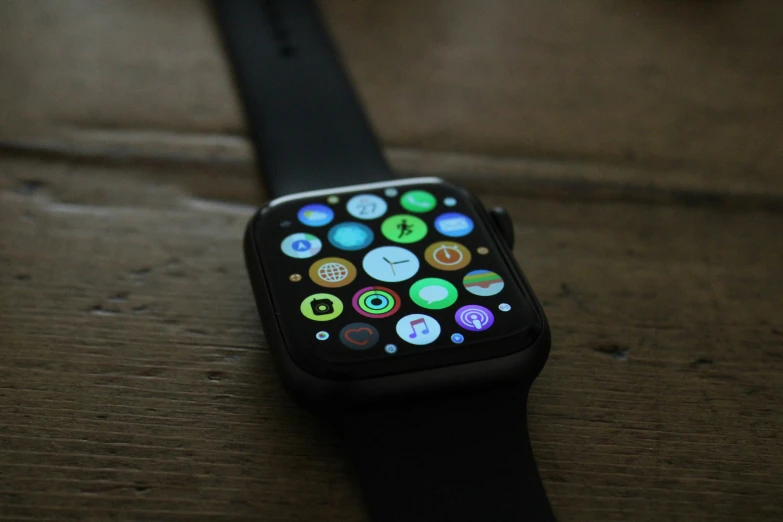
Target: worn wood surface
x=638 y=145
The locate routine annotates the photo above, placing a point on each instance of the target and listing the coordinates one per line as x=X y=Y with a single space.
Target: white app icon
x=391 y=264
x=366 y=206
x=418 y=329
x=301 y=246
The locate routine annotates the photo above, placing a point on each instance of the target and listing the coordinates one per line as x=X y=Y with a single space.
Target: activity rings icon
x=376 y=301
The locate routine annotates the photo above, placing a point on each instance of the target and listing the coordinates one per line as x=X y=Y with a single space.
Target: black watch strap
x=466 y=458
x=463 y=459
x=306 y=123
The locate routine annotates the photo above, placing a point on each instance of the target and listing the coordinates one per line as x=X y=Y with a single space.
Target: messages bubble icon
x=433 y=293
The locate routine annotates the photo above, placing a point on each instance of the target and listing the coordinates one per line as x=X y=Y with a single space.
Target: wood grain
x=691 y=85
x=638 y=146
x=136 y=383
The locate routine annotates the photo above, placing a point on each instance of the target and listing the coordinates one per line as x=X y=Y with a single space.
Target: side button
x=503 y=222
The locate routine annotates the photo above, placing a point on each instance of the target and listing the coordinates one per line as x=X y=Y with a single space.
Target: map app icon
x=301 y=246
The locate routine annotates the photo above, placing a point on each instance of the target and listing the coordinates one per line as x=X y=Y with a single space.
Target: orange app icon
x=447 y=255
x=332 y=272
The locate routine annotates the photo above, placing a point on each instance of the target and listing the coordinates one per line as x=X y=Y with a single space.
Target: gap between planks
x=567 y=179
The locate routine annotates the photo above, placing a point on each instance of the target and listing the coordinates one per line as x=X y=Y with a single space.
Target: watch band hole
x=285 y=47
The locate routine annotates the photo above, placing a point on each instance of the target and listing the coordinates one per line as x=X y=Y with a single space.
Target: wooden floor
x=637 y=144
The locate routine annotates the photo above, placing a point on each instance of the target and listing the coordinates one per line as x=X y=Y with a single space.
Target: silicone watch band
x=462 y=459
x=466 y=458
x=305 y=121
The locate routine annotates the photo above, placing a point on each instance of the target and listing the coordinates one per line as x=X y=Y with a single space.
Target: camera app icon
x=321 y=307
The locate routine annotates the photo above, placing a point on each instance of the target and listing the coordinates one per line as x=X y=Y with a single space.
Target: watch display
x=392 y=308
x=359 y=278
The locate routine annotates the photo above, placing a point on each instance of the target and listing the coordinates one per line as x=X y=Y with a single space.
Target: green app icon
x=404 y=228
x=418 y=201
x=321 y=307
x=433 y=293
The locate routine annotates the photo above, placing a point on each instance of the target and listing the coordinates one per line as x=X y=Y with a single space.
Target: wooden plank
x=136 y=383
x=678 y=86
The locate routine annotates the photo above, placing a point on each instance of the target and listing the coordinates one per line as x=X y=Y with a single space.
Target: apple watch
x=393 y=308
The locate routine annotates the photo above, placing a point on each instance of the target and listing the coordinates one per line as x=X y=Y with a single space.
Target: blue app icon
x=454 y=224
x=301 y=246
x=457 y=338
x=351 y=236
x=315 y=215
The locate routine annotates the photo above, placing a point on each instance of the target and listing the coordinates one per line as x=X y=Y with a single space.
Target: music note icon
x=415 y=322
x=418 y=329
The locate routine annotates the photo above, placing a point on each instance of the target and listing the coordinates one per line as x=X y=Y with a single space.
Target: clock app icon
x=391 y=264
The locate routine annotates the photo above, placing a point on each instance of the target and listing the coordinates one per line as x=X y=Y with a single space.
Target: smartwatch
x=393 y=308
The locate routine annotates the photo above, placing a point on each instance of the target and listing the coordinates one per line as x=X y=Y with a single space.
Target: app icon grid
x=400 y=231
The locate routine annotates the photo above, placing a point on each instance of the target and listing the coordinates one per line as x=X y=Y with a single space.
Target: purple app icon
x=475 y=318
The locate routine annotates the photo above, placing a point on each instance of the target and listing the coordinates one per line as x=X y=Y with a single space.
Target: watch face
x=390 y=278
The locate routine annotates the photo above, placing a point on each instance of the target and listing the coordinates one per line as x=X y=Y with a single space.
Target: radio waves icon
x=474 y=318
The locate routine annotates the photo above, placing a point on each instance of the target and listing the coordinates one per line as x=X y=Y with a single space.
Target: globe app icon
x=332 y=272
x=351 y=236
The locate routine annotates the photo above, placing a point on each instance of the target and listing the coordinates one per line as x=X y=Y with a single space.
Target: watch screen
x=390 y=272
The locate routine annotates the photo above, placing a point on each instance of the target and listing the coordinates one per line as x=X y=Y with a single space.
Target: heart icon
x=358 y=336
